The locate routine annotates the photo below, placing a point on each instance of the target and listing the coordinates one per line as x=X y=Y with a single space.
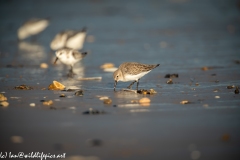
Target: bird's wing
x=78 y=55
x=137 y=68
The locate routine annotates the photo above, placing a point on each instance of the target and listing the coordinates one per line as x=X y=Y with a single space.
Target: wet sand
x=183 y=36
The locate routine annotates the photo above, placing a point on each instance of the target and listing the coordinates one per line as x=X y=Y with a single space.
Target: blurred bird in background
x=69 y=38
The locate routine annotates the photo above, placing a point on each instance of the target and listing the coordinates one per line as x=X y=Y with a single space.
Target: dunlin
x=32 y=27
x=132 y=71
x=69 y=57
x=70 y=39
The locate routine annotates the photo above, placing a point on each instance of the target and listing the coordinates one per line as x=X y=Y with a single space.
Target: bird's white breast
x=129 y=77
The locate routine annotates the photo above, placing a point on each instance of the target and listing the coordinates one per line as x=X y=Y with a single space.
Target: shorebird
x=32 y=27
x=132 y=71
x=69 y=38
x=69 y=57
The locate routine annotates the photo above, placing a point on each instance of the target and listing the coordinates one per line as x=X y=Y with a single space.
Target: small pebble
x=107 y=101
x=4 y=104
x=205 y=68
x=79 y=93
x=197 y=84
x=230 y=87
x=44 y=65
x=216 y=90
x=62 y=95
x=2 y=97
x=171 y=76
x=217 y=97
x=169 y=81
x=93 y=111
x=107 y=65
x=236 y=90
x=32 y=104
x=134 y=101
x=103 y=98
x=144 y=100
x=23 y=87
x=48 y=103
x=184 y=102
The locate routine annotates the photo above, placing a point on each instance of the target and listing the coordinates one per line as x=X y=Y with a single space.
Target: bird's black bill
x=115 y=84
x=55 y=60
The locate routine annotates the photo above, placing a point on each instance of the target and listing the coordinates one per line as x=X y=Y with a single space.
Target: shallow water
x=182 y=35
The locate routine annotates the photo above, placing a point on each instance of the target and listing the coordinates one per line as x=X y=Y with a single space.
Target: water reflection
x=127 y=99
x=64 y=70
x=32 y=53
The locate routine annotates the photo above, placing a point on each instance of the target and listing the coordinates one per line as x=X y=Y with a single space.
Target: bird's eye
x=60 y=53
x=117 y=76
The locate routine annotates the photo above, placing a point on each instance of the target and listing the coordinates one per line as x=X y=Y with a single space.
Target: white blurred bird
x=32 y=27
x=70 y=39
x=69 y=57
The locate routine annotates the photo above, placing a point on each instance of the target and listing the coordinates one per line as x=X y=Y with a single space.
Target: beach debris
x=32 y=104
x=144 y=100
x=236 y=90
x=23 y=87
x=205 y=68
x=110 y=69
x=71 y=88
x=48 y=102
x=230 y=87
x=196 y=84
x=93 y=112
x=143 y=91
x=56 y=86
x=107 y=101
x=169 y=81
x=2 y=97
x=4 y=104
x=171 y=76
x=217 y=97
x=216 y=90
x=94 y=142
x=185 y=102
x=79 y=93
x=134 y=101
x=107 y=65
x=16 y=139
x=103 y=98
x=44 y=65
x=62 y=95
x=226 y=137
x=89 y=78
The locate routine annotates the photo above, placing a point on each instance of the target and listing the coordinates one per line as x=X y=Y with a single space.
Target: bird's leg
x=71 y=69
x=115 y=85
x=70 y=74
x=137 y=83
x=130 y=86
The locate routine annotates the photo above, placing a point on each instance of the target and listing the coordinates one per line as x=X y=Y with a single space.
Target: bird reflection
x=32 y=27
x=32 y=53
